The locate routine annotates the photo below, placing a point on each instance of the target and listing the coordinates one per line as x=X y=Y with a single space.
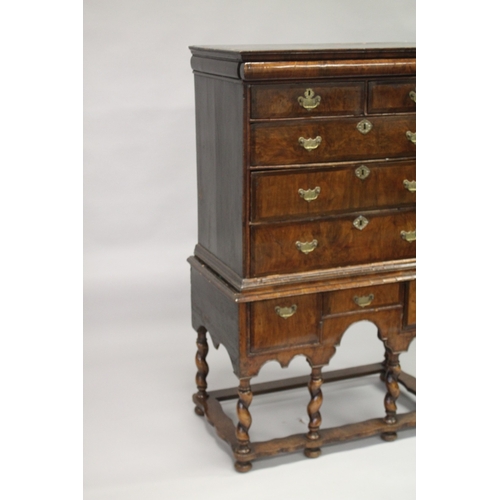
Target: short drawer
x=284 y=322
x=323 y=141
x=343 y=241
x=292 y=194
x=411 y=303
x=361 y=299
x=298 y=100
x=397 y=96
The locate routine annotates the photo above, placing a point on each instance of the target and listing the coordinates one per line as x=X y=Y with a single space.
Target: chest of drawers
x=306 y=217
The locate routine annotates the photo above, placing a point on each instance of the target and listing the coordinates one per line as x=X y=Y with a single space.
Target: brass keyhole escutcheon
x=364 y=126
x=362 y=172
x=360 y=222
x=309 y=101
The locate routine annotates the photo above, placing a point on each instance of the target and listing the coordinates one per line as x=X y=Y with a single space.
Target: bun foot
x=243 y=466
x=199 y=411
x=389 y=436
x=312 y=452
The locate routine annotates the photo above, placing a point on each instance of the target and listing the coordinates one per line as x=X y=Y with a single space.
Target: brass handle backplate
x=411 y=136
x=409 y=236
x=309 y=194
x=309 y=101
x=306 y=246
x=286 y=312
x=410 y=185
x=413 y=96
x=310 y=144
x=365 y=300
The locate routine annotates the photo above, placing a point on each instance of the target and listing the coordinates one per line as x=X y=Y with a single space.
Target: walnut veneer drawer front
x=320 y=141
x=288 y=101
x=285 y=321
x=392 y=96
x=361 y=299
x=344 y=241
x=281 y=195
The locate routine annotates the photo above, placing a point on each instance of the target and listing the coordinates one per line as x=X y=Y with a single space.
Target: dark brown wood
x=282 y=101
x=306 y=70
x=316 y=52
x=302 y=381
x=344 y=301
x=219 y=142
x=411 y=303
x=283 y=267
x=269 y=330
x=391 y=96
x=224 y=426
x=202 y=366
x=314 y=386
x=276 y=196
x=277 y=143
x=339 y=243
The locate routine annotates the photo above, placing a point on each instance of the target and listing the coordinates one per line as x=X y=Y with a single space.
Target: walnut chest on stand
x=306 y=216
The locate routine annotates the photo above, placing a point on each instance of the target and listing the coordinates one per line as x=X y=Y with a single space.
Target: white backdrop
x=141 y=437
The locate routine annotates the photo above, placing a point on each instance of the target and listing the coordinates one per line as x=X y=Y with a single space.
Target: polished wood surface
x=391 y=96
x=282 y=101
x=275 y=195
x=278 y=143
x=339 y=243
x=269 y=330
x=343 y=301
x=297 y=244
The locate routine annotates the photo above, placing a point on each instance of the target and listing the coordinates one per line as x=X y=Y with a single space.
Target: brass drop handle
x=309 y=101
x=286 y=312
x=410 y=185
x=411 y=136
x=310 y=144
x=306 y=246
x=409 y=236
x=309 y=194
x=413 y=96
x=365 y=300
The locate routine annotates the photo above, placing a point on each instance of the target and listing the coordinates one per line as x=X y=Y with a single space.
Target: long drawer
x=293 y=194
x=322 y=141
x=343 y=241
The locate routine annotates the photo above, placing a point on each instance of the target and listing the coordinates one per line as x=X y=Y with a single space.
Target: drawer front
x=295 y=194
x=284 y=322
x=361 y=299
x=292 y=248
x=289 y=143
x=411 y=303
x=392 y=97
x=297 y=100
